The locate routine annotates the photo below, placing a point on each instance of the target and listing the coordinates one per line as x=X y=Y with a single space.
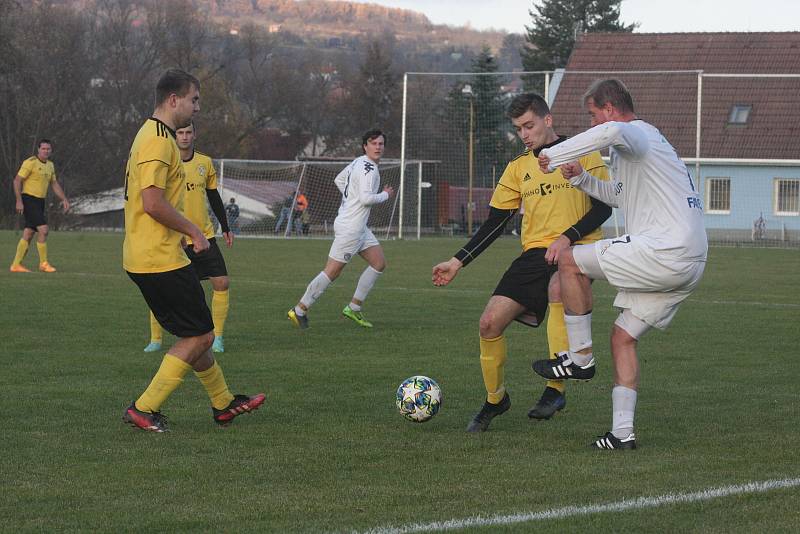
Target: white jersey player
x=360 y=185
x=654 y=267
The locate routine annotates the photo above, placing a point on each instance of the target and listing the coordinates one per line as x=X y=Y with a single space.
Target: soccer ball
x=419 y=398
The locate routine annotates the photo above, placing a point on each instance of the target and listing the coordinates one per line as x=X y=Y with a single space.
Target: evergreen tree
x=556 y=25
x=376 y=89
x=490 y=121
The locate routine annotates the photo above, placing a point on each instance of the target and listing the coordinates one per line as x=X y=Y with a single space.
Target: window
x=718 y=195
x=787 y=196
x=740 y=113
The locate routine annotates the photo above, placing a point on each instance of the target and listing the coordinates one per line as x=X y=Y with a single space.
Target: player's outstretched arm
x=629 y=139
x=443 y=273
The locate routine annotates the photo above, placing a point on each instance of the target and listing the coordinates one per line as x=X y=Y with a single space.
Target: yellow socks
x=219 y=311
x=168 y=377
x=42 y=247
x=22 y=249
x=155 y=329
x=214 y=382
x=493 y=360
x=557 y=340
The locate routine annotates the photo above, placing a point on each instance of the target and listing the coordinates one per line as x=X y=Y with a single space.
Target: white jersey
x=649 y=183
x=360 y=184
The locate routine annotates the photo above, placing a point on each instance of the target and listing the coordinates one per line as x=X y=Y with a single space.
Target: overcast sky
x=653 y=15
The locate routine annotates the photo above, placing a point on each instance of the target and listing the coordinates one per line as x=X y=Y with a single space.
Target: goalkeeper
x=555 y=217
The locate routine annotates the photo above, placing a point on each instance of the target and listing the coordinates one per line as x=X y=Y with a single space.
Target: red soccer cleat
x=239 y=405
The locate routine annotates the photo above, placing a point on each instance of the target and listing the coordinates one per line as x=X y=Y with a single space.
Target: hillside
x=327 y=19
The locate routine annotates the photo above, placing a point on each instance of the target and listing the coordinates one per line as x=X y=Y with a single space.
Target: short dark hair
x=611 y=91
x=528 y=101
x=42 y=141
x=372 y=134
x=174 y=81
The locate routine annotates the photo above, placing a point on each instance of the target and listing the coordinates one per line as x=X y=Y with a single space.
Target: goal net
x=297 y=199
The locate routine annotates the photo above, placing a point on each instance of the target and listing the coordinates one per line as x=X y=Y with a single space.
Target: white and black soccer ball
x=419 y=398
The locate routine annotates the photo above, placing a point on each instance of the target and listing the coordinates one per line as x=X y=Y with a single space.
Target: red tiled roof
x=669 y=101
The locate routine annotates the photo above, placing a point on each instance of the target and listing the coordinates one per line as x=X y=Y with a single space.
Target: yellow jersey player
x=30 y=189
x=201 y=184
x=554 y=217
x=152 y=256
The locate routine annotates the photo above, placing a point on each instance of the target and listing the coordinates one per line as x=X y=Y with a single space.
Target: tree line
x=84 y=78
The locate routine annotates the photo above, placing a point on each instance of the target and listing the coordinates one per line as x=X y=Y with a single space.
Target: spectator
x=232 y=211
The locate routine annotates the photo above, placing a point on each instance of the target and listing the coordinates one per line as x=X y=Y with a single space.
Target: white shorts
x=347 y=244
x=649 y=284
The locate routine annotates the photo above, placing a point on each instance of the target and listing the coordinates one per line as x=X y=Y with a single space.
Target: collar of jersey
x=535 y=151
x=170 y=130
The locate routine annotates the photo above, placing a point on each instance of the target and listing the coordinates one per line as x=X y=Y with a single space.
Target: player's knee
x=206 y=340
x=567 y=267
x=221 y=283
x=379 y=266
x=43 y=231
x=488 y=326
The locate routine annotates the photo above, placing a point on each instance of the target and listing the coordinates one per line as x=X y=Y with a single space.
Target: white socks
x=623 y=406
x=579 y=332
x=313 y=292
x=365 y=283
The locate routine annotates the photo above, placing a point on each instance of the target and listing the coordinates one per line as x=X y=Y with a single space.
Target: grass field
x=719 y=404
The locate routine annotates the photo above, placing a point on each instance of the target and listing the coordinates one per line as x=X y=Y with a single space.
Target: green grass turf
x=718 y=402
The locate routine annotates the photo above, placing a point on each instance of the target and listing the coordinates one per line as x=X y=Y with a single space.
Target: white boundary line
x=572 y=511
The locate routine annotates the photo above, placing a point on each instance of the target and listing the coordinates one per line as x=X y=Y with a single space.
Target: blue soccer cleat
x=153 y=346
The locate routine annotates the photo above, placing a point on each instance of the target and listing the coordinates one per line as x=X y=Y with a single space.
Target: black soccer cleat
x=611 y=442
x=149 y=421
x=563 y=368
x=551 y=402
x=480 y=423
x=239 y=405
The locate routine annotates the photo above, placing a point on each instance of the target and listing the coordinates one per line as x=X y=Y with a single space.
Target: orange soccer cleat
x=45 y=267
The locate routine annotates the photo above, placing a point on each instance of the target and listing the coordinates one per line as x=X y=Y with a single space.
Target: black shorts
x=526 y=282
x=208 y=263
x=33 y=210
x=177 y=300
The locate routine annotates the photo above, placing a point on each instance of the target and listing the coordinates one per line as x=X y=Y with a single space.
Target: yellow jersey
x=551 y=205
x=200 y=175
x=36 y=176
x=154 y=161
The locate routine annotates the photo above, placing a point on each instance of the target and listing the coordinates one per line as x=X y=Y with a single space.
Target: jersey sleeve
x=25 y=169
x=627 y=138
x=156 y=148
x=365 y=172
x=211 y=181
x=153 y=173
x=507 y=195
x=153 y=161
